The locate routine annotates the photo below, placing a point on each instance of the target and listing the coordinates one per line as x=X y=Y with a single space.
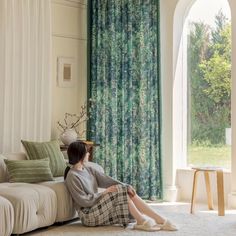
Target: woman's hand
x=131 y=191
x=110 y=189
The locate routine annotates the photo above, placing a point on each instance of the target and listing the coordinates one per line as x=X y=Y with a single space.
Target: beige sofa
x=31 y=206
x=6 y=217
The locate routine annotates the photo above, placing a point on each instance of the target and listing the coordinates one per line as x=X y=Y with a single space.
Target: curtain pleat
x=25 y=99
x=125 y=86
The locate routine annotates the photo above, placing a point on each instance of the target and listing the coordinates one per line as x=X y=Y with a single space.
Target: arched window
x=174 y=101
x=202 y=83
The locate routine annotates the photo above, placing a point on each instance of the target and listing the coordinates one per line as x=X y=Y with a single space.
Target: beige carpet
x=202 y=223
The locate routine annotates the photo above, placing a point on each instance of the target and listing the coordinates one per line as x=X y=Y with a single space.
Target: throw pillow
x=51 y=149
x=28 y=171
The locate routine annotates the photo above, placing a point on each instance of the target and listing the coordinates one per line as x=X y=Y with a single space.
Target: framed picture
x=65 y=72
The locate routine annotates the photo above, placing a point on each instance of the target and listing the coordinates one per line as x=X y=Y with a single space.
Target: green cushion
x=28 y=171
x=40 y=150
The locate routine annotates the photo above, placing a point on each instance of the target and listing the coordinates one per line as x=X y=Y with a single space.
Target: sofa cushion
x=7 y=217
x=10 y=156
x=28 y=171
x=3 y=170
x=65 y=209
x=35 y=206
x=15 y=156
x=51 y=149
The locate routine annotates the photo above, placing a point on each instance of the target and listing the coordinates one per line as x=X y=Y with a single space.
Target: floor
x=202 y=223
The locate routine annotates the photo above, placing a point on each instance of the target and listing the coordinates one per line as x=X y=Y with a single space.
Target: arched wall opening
x=181 y=82
x=173 y=15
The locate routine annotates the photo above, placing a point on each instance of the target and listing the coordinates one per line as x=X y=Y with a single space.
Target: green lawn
x=210 y=156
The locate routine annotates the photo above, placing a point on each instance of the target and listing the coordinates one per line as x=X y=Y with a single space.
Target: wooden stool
x=220 y=189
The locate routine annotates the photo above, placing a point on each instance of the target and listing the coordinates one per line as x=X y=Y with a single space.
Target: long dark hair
x=76 y=152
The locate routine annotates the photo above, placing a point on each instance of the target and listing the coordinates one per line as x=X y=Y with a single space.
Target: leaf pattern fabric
x=125 y=85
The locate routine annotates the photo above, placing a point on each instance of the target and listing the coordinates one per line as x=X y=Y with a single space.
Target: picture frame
x=65 y=72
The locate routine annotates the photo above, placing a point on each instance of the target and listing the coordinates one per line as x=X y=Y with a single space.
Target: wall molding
x=170 y=193
x=232 y=200
x=68 y=36
x=72 y=3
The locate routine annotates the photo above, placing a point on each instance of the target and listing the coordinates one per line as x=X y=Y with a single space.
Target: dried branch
x=74 y=121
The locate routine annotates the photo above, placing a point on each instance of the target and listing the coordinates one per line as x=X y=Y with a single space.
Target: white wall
x=69 y=39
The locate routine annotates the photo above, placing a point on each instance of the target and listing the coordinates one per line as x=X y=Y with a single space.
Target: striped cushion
x=38 y=150
x=28 y=171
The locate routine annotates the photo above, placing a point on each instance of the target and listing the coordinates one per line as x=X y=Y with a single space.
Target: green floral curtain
x=125 y=85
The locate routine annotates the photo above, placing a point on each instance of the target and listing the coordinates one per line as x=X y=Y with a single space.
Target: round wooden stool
x=220 y=188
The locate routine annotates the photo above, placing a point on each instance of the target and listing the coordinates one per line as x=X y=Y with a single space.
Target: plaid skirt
x=112 y=208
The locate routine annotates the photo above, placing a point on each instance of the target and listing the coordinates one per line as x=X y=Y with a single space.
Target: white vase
x=69 y=136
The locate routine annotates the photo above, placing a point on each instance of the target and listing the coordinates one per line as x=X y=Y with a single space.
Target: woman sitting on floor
x=115 y=205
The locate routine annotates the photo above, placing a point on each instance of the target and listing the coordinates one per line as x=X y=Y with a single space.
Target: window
x=208 y=84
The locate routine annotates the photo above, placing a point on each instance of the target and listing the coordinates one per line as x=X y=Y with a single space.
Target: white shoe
x=167 y=225
x=147 y=226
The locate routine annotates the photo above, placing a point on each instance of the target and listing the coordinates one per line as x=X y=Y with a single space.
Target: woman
x=117 y=204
